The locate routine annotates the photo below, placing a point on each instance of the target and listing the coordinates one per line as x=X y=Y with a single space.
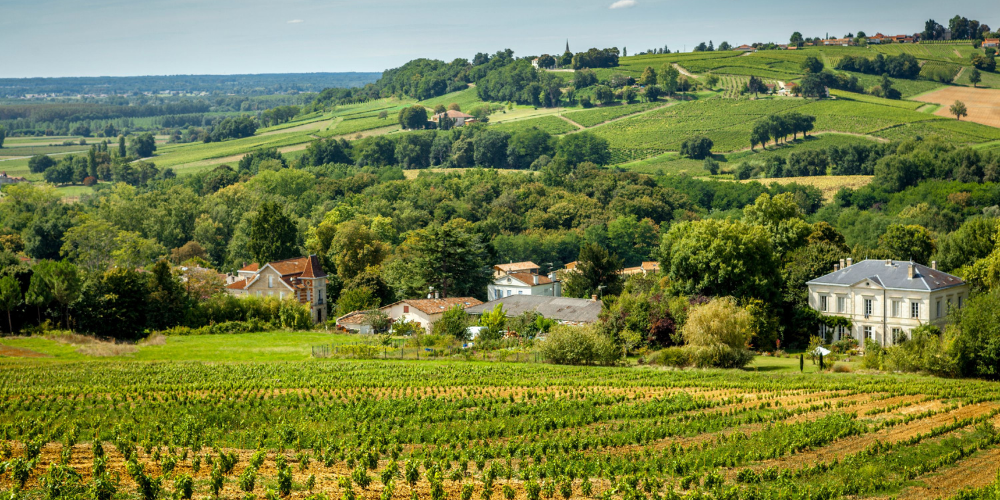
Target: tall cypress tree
x=121 y=146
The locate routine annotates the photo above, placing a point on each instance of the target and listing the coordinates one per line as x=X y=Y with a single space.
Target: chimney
x=841 y=263
x=593 y=298
x=535 y=276
x=437 y=294
x=888 y=262
x=910 y=270
x=849 y=261
x=934 y=265
x=552 y=276
x=836 y=267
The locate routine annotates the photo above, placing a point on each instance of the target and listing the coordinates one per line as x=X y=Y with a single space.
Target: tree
x=711 y=166
x=582 y=147
x=454 y=322
x=648 y=76
x=813 y=86
x=668 y=78
x=491 y=148
x=495 y=322
x=653 y=93
x=40 y=163
x=796 y=38
x=3 y=135
x=122 y=153
x=959 y=110
x=10 y=297
x=167 y=298
x=604 y=94
x=812 y=64
x=910 y=242
x=90 y=243
x=355 y=248
x=597 y=273
x=725 y=46
x=451 y=258
x=711 y=80
x=273 y=235
x=719 y=257
x=546 y=61
x=62 y=280
x=38 y=294
x=629 y=95
x=975 y=77
x=755 y=86
x=143 y=145
x=718 y=333
x=697 y=148
x=413 y=117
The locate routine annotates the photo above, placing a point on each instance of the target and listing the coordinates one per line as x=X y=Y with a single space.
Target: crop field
x=466 y=99
x=908 y=88
x=983 y=104
x=404 y=429
x=549 y=123
x=591 y=117
x=827 y=184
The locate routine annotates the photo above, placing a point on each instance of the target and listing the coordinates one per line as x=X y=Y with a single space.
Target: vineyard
x=397 y=429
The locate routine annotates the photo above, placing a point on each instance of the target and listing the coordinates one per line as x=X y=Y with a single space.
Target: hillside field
x=437 y=428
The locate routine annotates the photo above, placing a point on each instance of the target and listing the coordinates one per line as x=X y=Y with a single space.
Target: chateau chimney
x=841 y=263
x=934 y=265
x=849 y=261
x=836 y=267
x=910 y=270
x=593 y=298
x=535 y=276
x=437 y=294
x=888 y=262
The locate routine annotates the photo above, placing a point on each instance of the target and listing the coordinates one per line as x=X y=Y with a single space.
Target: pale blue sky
x=143 y=37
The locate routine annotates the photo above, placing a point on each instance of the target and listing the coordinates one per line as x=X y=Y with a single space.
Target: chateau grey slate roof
x=557 y=308
x=892 y=275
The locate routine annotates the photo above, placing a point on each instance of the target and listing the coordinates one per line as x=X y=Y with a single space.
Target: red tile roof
x=436 y=306
x=516 y=266
x=237 y=285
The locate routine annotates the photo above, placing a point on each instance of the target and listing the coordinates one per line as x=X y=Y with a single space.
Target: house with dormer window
x=301 y=278
x=885 y=299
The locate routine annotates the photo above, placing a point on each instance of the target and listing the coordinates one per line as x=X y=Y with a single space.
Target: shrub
x=698 y=147
x=677 y=357
x=717 y=333
x=568 y=345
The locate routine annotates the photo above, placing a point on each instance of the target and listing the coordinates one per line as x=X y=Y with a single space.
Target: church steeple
x=567 y=47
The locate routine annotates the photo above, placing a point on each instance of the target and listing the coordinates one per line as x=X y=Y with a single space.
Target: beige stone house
x=301 y=278
x=885 y=299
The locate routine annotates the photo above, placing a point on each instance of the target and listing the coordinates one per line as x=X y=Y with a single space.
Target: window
x=915 y=310
x=270 y=281
x=897 y=335
x=868 y=332
x=841 y=304
x=868 y=307
x=823 y=306
x=937 y=312
x=520 y=292
x=406 y=309
x=959 y=301
x=897 y=308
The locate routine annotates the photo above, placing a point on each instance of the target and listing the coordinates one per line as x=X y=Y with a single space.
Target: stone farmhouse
x=885 y=299
x=301 y=278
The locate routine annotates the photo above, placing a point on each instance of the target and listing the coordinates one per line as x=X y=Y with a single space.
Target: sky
x=47 y=38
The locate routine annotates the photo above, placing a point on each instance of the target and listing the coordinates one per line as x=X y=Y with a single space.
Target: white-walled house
x=885 y=299
x=424 y=312
x=510 y=284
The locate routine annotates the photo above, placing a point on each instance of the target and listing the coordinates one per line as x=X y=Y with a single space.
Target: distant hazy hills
x=263 y=84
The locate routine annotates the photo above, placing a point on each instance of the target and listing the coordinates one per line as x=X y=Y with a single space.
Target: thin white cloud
x=623 y=4
x=297 y=21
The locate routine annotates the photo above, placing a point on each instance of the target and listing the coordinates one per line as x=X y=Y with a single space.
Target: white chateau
x=885 y=299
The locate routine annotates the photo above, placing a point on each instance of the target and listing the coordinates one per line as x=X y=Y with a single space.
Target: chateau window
x=823 y=306
x=897 y=335
x=868 y=332
x=841 y=304
x=897 y=308
x=937 y=312
x=868 y=307
x=959 y=301
x=915 y=310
